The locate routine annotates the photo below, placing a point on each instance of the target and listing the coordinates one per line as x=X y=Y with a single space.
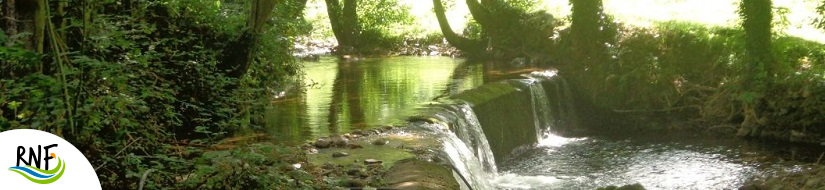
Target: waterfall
x=467 y=164
x=565 y=110
x=464 y=125
x=541 y=106
x=465 y=144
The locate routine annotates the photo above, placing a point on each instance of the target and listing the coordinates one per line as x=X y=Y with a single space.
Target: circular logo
x=41 y=160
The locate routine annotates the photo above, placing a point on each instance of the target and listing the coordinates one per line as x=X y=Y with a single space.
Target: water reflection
x=341 y=96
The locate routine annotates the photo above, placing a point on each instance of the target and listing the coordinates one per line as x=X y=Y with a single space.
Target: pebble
x=356 y=172
x=322 y=143
x=380 y=141
x=353 y=183
x=355 y=146
x=339 y=141
x=372 y=161
x=339 y=154
x=300 y=175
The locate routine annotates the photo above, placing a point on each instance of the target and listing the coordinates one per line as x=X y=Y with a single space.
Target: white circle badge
x=35 y=159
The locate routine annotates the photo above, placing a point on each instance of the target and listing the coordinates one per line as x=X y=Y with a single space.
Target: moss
x=417 y=174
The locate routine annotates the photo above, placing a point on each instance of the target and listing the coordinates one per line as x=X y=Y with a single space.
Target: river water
x=338 y=97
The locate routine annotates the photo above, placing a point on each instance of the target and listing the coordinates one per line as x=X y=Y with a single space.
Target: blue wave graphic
x=31 y=172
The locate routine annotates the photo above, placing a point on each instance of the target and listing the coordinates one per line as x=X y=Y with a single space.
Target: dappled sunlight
x=646 y=13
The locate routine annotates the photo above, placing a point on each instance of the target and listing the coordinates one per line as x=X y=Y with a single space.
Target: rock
x=312 y=151
x=625 y=187
x=358 y=132
x=743 y=131
x=354 y=146
x=286 y=167
x=372 y=161
x=380 y=141
x=300 y=175
x=322 y=143
x=356 y=172
x=353 y=183
x=813 y=182
x=339 y=154
x=339 y=141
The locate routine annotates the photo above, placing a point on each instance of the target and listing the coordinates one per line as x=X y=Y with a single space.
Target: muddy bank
x=810 y=176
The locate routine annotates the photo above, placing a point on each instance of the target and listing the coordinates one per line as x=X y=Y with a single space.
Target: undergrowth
x=698 y=72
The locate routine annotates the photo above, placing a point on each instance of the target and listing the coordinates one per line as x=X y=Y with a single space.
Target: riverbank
x=310 y=49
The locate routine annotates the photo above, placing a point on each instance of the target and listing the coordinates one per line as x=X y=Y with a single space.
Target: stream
x=338 y=97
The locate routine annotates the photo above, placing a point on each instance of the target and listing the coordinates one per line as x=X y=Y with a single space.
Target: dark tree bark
x=585 y=29
x=345 y=24
x=11 y=19
x=757 y=16
x=483 y=16
x=460 y=42
x=237 y=56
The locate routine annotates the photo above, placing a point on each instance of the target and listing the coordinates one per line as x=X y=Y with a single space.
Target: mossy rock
x=625 y=187
x=418 y=174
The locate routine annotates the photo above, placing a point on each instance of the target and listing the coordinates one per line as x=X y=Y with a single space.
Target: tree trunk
x=345 y=24
x=460 y=42
x=483 y=16
x=585 y=29
x=40 y=25
x=11 y=20
x=238 y=55
x=757 y=24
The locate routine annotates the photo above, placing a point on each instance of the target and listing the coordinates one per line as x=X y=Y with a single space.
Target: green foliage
x=143 y=85
x=257 y=166
x=819 y=22
x=378 y=21
x=698 y=72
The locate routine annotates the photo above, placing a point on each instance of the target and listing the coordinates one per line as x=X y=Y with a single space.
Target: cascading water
x=465 y=126
x=468 y=149
x=541 y=106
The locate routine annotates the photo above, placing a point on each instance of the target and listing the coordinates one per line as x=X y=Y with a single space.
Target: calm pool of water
x=338 y=96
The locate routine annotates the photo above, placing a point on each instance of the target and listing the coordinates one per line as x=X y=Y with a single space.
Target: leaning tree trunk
x=470 y=46
x=484 y=17
x=345 y=24
x=238 y=54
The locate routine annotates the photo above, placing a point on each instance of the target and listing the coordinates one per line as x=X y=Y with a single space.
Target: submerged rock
x=372 y=161
x=322 y=143
x=339 y=154
x=354 y=146
x=339 y=141
x=300 y=175
x=380 y=141
x=357 y=172
x=353 y=183
x=625 y=187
